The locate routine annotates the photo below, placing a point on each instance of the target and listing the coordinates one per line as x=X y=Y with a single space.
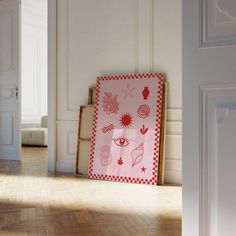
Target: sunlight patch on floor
x=70 y=192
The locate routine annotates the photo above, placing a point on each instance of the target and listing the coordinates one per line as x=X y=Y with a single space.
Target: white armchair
x=35 y=136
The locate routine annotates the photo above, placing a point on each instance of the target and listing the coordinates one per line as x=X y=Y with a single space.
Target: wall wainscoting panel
x=67 y=139
x=117 y=37
x=174 y=146
x=92 y=41
x=66 y=146
x=173 y=165
x=167 y=47
x=34 y=61
x=174 y=114
x=167 y=57
x=173 y=177
x=174 y=127
x=65 y=166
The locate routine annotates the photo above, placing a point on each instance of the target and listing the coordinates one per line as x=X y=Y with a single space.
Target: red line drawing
x=137 y=155
x=143 y=111
x=143 y=130
x=145 y=93
x=126 y=120
x=143 y=169
x=108 y=128
x=128 y=92
x=105 y=155
x=120 y=161
x=121 y=141
x=110 y=103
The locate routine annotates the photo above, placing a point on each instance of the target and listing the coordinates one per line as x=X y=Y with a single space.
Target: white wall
x=34 y=60
x=115 y=37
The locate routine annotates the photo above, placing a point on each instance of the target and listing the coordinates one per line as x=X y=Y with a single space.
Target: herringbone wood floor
x=33 y=202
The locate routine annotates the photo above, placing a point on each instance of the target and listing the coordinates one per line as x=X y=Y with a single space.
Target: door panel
x=225 y=202
x=217 y=162
x=218 y=22
x=9 y=79
x=6 y=124
x=6 y=40
x=209 y=101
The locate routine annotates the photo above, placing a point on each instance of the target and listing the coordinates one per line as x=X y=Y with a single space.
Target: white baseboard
x=173 y=177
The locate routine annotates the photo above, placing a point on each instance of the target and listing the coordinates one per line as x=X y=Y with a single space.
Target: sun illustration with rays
x=126 y=120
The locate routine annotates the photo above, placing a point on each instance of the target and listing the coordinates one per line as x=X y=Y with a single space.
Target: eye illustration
x=121 y=141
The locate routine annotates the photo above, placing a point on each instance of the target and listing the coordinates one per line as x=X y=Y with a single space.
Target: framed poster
x=126 y=128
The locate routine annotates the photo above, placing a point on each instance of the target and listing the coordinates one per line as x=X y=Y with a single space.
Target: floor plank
x=34 y=202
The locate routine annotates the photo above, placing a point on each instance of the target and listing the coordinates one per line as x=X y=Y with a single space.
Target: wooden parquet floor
x=33 y=202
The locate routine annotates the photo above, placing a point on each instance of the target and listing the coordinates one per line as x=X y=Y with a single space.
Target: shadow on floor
x=51 y=219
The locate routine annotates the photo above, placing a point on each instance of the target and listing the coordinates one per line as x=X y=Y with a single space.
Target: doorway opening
x=34 y=82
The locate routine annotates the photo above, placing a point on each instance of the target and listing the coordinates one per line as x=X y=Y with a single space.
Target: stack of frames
x=85 y=127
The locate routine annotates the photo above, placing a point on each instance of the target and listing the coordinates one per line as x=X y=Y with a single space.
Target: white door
x=9 y=79
x=209 y=117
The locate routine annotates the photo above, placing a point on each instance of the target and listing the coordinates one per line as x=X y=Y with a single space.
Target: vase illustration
x=145 y=93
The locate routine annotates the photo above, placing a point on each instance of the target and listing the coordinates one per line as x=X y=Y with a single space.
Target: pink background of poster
x=127 y=151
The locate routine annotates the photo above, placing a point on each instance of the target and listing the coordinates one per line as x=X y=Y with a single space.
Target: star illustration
x=128 y=92
x=143 y=169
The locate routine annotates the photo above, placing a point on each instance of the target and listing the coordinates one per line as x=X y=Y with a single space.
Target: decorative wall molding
x=174 y=114
x=66 y=141
x=173 y=171
x=174 y=127
x=173 y=147
x=65 y=166
x=217 y=25
x=52 y=83
x=138 y=54
x=71 y=142
x=38 y=7
x=214 y=103
x=145 y=36
x=142 y=52
x=31 y=104
x=173 y=177
x=34 y=61
x=173 y=165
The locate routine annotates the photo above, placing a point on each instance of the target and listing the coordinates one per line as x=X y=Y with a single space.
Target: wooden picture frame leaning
x=161 y=164
x=85 y=126
x=92 y=95
x=84 y=141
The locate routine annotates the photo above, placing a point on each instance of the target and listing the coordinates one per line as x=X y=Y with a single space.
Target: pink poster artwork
x=126 y=130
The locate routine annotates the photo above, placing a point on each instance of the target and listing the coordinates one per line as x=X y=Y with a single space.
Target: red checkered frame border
x=153 y=180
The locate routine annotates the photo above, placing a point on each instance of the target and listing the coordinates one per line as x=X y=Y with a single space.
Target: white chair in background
x=36 y=136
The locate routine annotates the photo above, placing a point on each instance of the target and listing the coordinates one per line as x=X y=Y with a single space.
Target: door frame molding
x=52 y=75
